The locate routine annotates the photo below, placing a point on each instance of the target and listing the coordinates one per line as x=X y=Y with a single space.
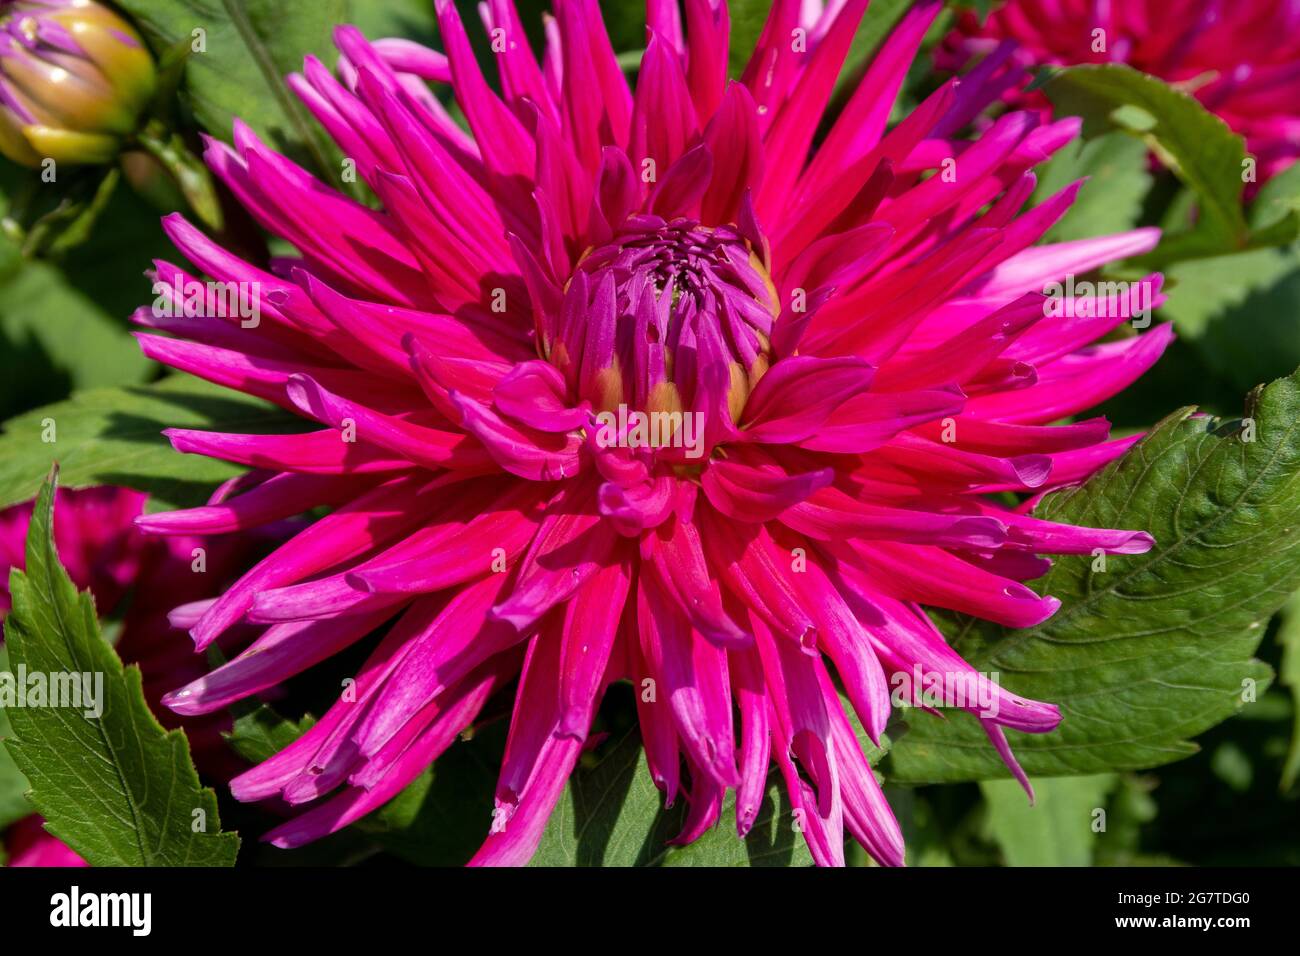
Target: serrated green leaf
x=1057 y=830
x=250 y=46
x=1190 y=140
x=1157 y=647
x=1110 y=201
x=113 y=436
x=117 y=788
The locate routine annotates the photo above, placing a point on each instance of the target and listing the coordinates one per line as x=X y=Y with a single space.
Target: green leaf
x=1057 y=830
x=412 y=19
x=1277 y=201
x=52 y=338
x=113 y=436
x=1111 y=200
x=1190 y=140
x=251 y=45
x=1288 y=636
x=116 y=788
x=442 y=817
x=259 y=733
x=1241 y=312
x=747 y=19
x=14 y=804
x=1158 y=647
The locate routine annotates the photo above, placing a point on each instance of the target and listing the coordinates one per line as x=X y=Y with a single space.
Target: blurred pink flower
x=1241 y=59
x=859 y=356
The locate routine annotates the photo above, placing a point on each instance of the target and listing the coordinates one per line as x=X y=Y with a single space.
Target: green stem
x=191 y=175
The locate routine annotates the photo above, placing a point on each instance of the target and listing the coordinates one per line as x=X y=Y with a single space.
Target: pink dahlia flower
x=1241 y=59
x=139 y=580
x=857 y=354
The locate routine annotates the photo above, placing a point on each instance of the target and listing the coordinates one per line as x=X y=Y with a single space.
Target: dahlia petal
x=733 y=141
x=964 y=355
x=860 y=125
x=521 y=76
x=262 y=378
x=773 y=65
x=787 y=140
x=867 y=421
x=635 y=507
x=1005 y=440
x=506 y=145
x=755 y=735
x=798 y=395
x=905 y=639
x=453 y=553
x=281 y=496
x=1086 y=320
x=945 y=466
x=442 y=648
x=849 y=647
x=998 y=737
x=758 y=490
x=704 y=807
x=932 y=576
x=597 y=105
x=750 y=565
x=1036 y=535
x=658 y=735
x=515 y=842
x=829 y=513
x=591 y=622
x=682 y=573
x=526 y=452
x=867 y=813
x=681 y=190
x=350 y=530
x=1032 y=269
x=802 y=731
x=281 y=652
x=838 y=259
x=1077 y=382
x=693 y=678
x=333 y=729
x=355 y=803
x=567 y=551
x=708 y=26
x=320 y=453
x=663 y=117
x=533 y=394
x=429 y=447
x=1072 y=466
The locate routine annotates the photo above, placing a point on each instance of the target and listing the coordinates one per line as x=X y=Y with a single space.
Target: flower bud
x=74 y=78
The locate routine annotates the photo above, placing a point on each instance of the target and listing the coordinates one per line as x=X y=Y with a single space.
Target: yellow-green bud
x=74 y=79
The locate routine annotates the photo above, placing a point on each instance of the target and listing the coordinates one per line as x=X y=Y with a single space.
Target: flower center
x=667 y=317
